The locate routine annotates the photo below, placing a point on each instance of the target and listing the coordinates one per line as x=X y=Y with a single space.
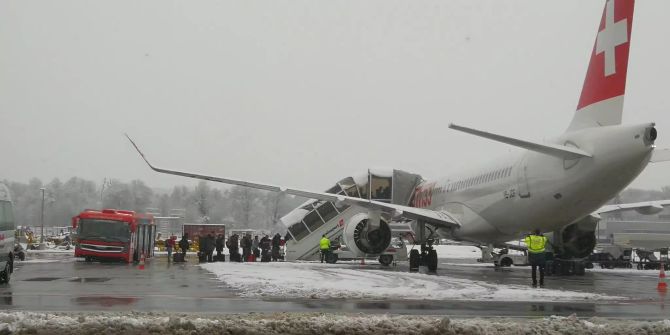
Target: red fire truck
x=112 y=234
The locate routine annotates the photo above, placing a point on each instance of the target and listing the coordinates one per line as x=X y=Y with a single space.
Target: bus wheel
x=6 y=274
x=385 y=259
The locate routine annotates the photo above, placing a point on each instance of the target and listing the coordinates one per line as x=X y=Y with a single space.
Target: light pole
x=42 y=245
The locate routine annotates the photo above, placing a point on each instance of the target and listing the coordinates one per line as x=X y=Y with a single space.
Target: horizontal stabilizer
x=555 y=150
x=660 y=155
x=652 y=207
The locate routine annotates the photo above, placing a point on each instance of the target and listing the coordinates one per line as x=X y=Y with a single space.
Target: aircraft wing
x=645 y=206
x=437 y=218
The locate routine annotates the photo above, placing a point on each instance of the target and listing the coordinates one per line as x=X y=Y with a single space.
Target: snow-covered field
x=312 y=323
x=316 y=280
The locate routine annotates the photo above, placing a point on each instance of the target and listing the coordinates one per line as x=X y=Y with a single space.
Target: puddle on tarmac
x=90 y=280
x=105 y=301
x=42 y=279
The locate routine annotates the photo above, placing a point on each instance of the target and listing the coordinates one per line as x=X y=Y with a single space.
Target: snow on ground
x=32 y=261
x=316 y=280
x=308 y=323
x=457 y=251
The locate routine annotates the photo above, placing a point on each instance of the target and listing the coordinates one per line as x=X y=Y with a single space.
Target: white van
x=6 y=235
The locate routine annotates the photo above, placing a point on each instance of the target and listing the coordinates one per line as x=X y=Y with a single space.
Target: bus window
x=327 y=211
x=6 y=216
x=298 y=230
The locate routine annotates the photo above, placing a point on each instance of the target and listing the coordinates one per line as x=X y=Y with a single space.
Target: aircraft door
x=522 y=179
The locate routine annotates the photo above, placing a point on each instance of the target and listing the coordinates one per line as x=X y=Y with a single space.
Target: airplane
x=560 y=186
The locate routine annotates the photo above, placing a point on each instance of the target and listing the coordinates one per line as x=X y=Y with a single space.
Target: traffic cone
x=662 y=285
x=142 y=262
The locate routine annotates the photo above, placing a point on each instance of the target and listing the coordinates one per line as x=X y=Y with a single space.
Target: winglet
x=140 y=152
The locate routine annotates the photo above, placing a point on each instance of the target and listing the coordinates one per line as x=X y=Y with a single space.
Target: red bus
x=112 y=234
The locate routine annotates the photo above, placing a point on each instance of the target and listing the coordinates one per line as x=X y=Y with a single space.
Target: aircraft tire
x=432 y=260
x=385 y=260
x=414 y=260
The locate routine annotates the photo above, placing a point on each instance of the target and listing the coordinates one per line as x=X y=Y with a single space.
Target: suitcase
x=178 y=257
x=221 y=258
x=202 y=257
x=265 y=258
x=251 y=258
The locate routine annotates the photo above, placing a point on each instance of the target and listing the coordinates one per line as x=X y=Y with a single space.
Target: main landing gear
x=427 y=257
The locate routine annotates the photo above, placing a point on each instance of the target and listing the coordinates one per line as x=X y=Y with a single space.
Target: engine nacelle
x=363 y=238
x=576 y=240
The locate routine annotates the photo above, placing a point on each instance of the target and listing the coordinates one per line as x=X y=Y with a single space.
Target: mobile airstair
x=315 y=218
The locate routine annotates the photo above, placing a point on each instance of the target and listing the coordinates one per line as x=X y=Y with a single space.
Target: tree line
x=237 y=207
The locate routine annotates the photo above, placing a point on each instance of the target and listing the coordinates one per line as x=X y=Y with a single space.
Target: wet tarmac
x=58 y=282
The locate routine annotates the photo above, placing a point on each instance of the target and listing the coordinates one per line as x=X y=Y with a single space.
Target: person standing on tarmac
x=170 y=245
x=536 y=257
x=218 y=243
x=324 y=246
x=184 y=245
x=254 y=247
x=209 y=250
x=276 y=242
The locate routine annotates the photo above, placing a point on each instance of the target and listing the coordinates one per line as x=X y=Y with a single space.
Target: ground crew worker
x=536 y=243
x=324 y=245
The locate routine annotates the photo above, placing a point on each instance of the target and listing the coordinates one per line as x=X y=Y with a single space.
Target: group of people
x=266 y=248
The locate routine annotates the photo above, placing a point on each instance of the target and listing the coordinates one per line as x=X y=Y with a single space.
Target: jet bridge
x=307 y=223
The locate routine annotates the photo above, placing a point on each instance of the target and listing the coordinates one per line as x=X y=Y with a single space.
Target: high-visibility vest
x=324 y=244
x=535 y=243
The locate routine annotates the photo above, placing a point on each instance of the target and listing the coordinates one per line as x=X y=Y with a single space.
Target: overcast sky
x=302 y=93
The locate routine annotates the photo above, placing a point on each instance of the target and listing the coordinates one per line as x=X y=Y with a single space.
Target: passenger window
x=335 y=189
x=313 y=221
x=380 y=188
x=349 y=186
x=299 y=231
x=327 y=211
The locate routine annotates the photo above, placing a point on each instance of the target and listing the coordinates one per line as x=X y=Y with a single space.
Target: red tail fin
x=601 y=102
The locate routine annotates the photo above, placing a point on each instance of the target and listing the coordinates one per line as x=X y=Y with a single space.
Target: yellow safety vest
x=535 y=243
x=324 y=243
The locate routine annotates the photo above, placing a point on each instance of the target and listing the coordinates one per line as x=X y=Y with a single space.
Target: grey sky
x=301 y=93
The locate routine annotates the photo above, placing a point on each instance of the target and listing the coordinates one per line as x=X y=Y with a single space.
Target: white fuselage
x=502 y=201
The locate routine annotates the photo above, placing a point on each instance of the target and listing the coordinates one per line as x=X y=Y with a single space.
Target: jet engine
x=363 y=236
x=576 y=240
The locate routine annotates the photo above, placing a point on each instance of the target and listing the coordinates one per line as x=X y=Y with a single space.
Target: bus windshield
x=104 y=230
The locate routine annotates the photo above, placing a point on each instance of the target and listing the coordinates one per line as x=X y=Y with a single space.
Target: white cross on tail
x=612 y=35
